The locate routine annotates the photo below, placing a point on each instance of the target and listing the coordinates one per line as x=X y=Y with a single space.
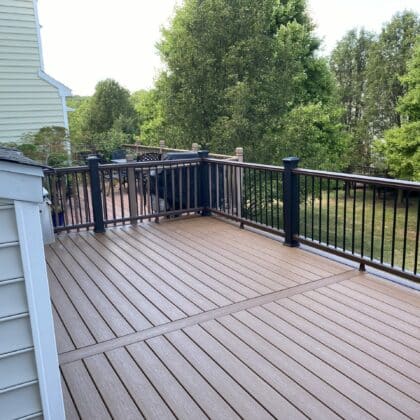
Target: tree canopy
x=236 y=69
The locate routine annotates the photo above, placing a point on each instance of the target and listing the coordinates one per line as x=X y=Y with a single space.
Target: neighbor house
x=29 y=98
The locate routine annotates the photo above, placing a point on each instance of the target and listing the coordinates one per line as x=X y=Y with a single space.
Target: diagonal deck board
x=209 y=321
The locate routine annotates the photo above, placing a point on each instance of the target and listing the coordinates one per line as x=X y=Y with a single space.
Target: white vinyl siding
x=27 y=101
x=19 y=389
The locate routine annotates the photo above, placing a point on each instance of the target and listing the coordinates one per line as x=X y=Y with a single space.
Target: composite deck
x=195 y=318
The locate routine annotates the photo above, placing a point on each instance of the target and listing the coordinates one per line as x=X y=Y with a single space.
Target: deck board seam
x=342 y=339
x=184 y=250
x=208 y=259
x=152 y=287
x=365 y=326
x=163 y=245
x=72 y=304
x=197 y=240
x=257 y=373
x=130 y=282
x=246 y=250
x=105 y=295
x=221 y=259
x=228 y=374
x=171 y=287
x=338 y=352
x=404 y=306
x=355 y=298
x=178 y=380
x=201 y=293
x=83 y=292
x=324 y=361
x=201 y=317
x=378 y=321
x=199 y=373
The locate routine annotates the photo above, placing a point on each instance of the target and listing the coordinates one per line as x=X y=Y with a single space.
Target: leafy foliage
x=234 y=72
x=104 y=121
x=349 y=62
x=401 y=145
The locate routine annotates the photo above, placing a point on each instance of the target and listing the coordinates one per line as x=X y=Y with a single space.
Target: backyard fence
x=373 y=221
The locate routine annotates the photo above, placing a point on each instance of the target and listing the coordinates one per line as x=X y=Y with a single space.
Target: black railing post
x=204 y=183
x=291 y=202
x=95 y=193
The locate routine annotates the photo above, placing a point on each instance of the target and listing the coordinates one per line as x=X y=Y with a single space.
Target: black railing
x=102 y=195
x=249 y=193
x=373 y=221
x=71 y=199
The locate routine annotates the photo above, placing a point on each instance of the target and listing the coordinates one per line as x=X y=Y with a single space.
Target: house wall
x=29 y=99
x=19 y=385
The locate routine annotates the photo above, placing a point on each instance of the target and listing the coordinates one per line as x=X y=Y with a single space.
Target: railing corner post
x=204 y=183
x=95 y=192
x=291 y=202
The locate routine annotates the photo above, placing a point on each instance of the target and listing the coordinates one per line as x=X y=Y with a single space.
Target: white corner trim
x=62 y=88
x=39 y=303
x=38 y=32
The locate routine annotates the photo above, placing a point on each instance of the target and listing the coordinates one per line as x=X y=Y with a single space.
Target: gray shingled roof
x=13 y=155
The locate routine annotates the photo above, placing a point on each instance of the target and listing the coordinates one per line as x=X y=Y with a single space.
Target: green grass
x=371 y=236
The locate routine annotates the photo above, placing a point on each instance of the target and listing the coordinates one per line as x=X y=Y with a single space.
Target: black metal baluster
x=353 y=231
x=313 y=207
x=336 y=215
x=345 y=215
x=372 y=233
x=416 y=252
x=362 y=244
x=407 y=203
x=394 y=223
x=111 y=181
x=277 y=201
x=383 y=226
x=328 y=211
x=320 y=211
x=306 y=206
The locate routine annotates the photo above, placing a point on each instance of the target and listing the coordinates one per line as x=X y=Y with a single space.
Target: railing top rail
x=149 y=164
x=246 y=164
x=139 y=147
x=395 y=183
x=66 y=170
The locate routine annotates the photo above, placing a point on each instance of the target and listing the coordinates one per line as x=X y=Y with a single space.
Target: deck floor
x=195 y=318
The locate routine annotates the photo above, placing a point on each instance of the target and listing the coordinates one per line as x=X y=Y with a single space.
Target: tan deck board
x=140 y=388
x=194 y=318
x=326 y=307
x=70 y=279
x=349 y=340
x=196 y=259
x=118 y=400
x=224 y=242
x=88 y=401
x=189 y=265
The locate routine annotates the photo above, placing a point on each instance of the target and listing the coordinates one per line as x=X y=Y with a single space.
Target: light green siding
x=28 y=102
x=19 y=390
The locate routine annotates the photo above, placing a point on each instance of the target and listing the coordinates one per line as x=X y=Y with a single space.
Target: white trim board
x=39 y=303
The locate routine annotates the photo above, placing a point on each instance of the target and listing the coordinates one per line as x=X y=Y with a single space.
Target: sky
x=85 y=41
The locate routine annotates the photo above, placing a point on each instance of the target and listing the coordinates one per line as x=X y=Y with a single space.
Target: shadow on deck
x=194 y=318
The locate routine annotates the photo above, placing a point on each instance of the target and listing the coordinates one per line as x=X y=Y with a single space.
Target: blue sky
x=85 y=41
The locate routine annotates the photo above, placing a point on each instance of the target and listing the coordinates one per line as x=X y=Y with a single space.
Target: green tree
x=104 y=121
x=349 y=62
x=149 y=116
x=387 y=63
x=400 y=147
x=314 y=132
x=110 y=107
x=235 y=69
